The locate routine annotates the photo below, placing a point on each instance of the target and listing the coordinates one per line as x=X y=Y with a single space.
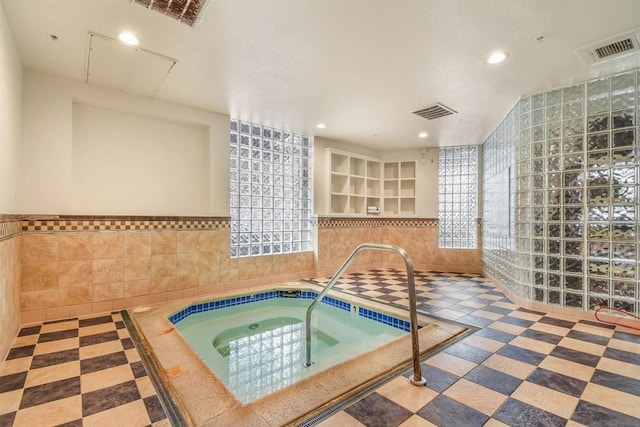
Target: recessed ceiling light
x=496 y=57
x=423 y=135
x=128 y=38
x=321 y=126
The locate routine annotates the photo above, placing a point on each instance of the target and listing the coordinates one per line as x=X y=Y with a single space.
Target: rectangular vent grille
x=187 y=11
x=616 y=48
x=434 y=112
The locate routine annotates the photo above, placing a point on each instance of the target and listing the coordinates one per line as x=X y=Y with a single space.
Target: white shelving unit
x=362 y=185
x=400 y=188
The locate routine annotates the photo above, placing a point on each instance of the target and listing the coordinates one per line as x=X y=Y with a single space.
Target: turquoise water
x=259 y=348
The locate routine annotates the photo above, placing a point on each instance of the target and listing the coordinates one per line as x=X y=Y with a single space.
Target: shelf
x=357 y=205
x=338 y=203
x=358 y=166
x=407 y=188
x=408 y=169
x=339 y=183
x=391 y=206
x=391 y=188
x=357 y=186
x=408 y=206
x=373 y=169
x=391 y=170
x=373 y=187
x=339 y=163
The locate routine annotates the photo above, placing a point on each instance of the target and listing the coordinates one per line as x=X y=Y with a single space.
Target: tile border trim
x=75 y=223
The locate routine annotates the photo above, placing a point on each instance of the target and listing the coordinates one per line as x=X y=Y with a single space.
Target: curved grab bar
x=415 y=345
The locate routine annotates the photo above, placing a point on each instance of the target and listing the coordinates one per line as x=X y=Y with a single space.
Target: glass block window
x=458 y=200
x=271 y=190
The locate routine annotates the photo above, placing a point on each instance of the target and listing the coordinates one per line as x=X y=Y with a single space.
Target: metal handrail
x=417 y=379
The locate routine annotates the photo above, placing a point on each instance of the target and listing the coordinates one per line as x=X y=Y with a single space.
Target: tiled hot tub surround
x=9 y=280
x=202 y=307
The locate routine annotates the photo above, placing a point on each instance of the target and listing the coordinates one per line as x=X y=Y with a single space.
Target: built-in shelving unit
x=400 y=188
x=362 y=185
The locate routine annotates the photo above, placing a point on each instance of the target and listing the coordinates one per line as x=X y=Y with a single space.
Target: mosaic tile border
x=346 y=222
x=116 y=223
x=246 y=299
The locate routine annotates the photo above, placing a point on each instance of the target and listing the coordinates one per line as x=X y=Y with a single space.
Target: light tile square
x=533 y=345
x=509 y=366
x=567 y=367
x=585 y=347
x=416 y=421
x=450 y=363
x=545 y=398
x=50 y=413
x=105 y=378
x=402 y=392
x=612 y=399
x=134 y=413
x=619 y=367
x=475 y=396
x=52 y=373
x=59 y=345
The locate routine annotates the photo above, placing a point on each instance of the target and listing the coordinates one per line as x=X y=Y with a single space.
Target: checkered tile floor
x=523 y=368
x=77 y=372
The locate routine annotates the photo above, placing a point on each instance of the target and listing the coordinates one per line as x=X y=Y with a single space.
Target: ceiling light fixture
x=496 y=57
x=423 y=135
x=128 y=38
x=321 y=126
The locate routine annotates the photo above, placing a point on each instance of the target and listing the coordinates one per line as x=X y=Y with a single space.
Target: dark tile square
x=575 y=356
x=154 y=408
x=109 y=397
x=565 y=384
x=521 y=354
x=95 y=321
x=497 y=310
x=103 y=362
x=377 y=410
x=60 y=335
x=526 y=310
x=593 y=415
x=518 y=414
x=557 y=322
x=18 y=352
x=138 y=369
x=127 y=343
x=437 y=379
x=12 y=381
x=49 y=392
x=99 y=338
x=30 y=330
x=624 y=336
x=623 y=356
x=467 y=352
x=592 y=338
x=542 y=336
x=445 y=412
x=598 y=324
x=74 y=423
x=461 y=308
x=616 y=382
x=55 y=358
x=120 y=325
x=7 y=419
x=494 y=380
x=516 y=321
x=477 y=321
x=495 y=334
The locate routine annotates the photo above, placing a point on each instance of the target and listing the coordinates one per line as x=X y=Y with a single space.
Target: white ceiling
x=360 y=66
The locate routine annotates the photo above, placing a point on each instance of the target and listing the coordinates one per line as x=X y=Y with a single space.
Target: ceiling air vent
x=610 y=49
x=187 y=11
x=435 y=111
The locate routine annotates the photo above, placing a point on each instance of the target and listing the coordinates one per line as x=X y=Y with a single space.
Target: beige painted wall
x=46 y=167
x=125 y=164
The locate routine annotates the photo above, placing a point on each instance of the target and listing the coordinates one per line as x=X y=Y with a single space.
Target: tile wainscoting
x=77 y=265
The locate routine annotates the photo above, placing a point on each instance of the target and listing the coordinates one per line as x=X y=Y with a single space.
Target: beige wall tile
x=163 y=265
x=137 y=244
x=134 y=288
x=105 y=292
x=74 y=296
x=75 y=273
x=107 y=245
x=136 y=268
x=107 y=271
x=37 y=277
x=187 y=281
x=39 y=248
x=187 y=242
x=75 y=247
x=162 y=284
x=163 y=242
x=188 y=263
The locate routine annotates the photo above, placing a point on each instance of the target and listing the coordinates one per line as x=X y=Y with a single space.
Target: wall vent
x=610 y=49
x=434 y=112
x=188 y=11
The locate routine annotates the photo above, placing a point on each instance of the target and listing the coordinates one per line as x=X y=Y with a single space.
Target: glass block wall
x=573 y=233
x=271 y=190
x=457 y=196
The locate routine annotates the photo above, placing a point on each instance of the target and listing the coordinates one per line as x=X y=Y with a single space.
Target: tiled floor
x=77 y=372
x=521 y=368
